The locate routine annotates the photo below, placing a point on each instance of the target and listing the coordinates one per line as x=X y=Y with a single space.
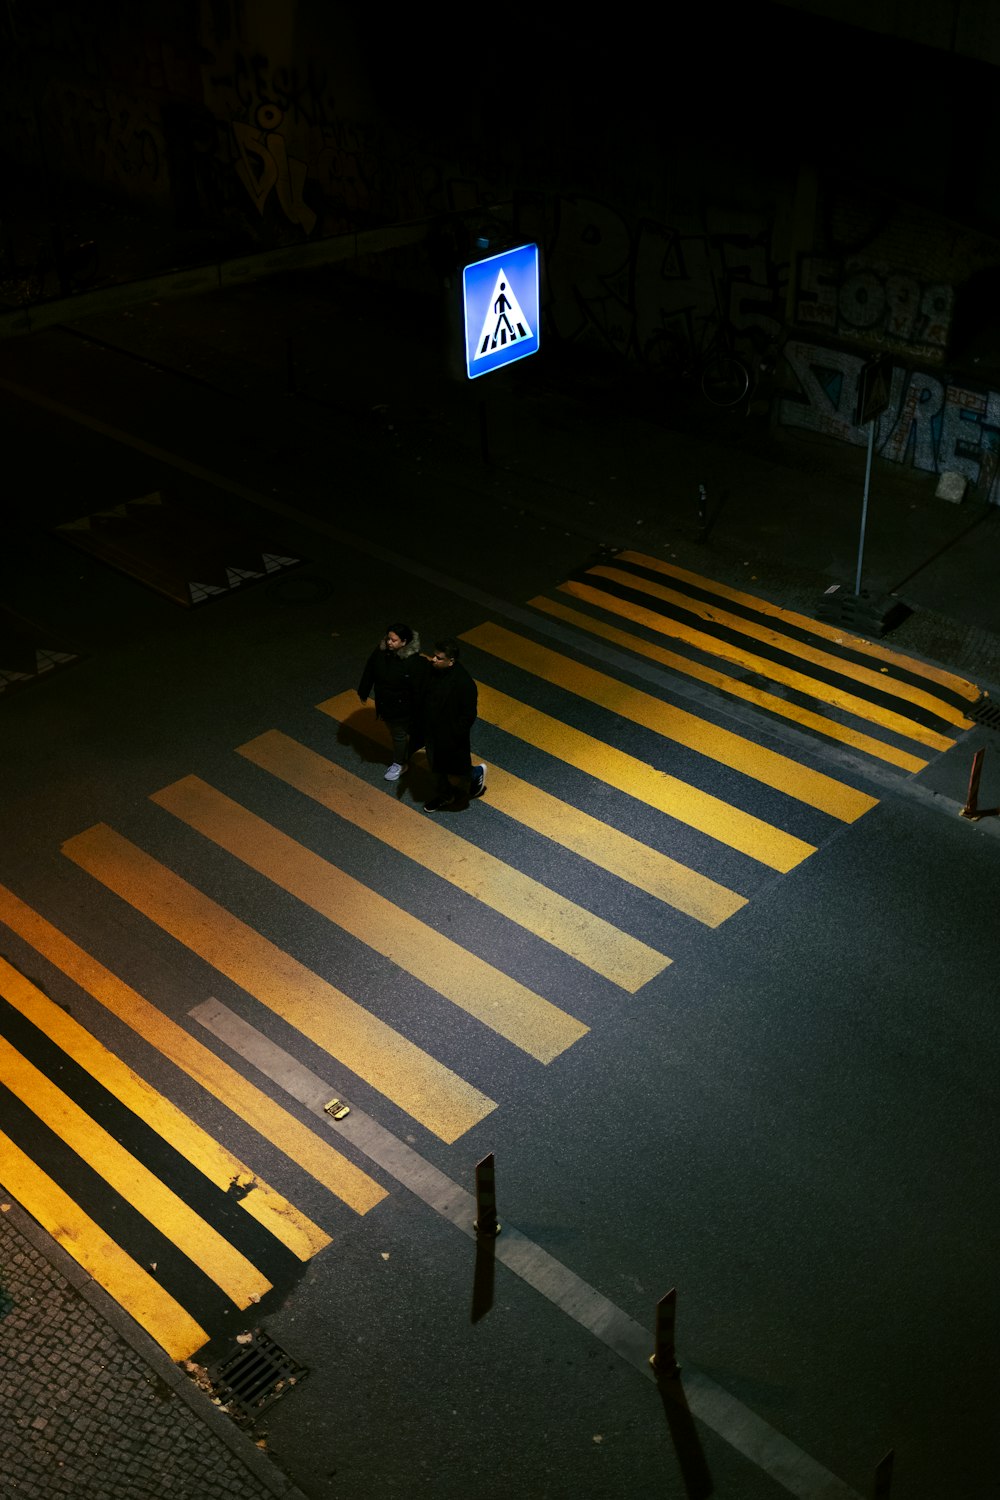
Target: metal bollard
x=663 y=1358
x=883 y=1477
x=971 y=808
x=486 y=1221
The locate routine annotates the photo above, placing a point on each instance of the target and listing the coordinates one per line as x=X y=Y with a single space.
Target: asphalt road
x=793 y=1123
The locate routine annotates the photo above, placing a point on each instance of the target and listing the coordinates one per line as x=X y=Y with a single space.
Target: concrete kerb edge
x=262 y=1467
x=195 y=280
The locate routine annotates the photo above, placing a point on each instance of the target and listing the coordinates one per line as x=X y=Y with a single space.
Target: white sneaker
x=394 y=772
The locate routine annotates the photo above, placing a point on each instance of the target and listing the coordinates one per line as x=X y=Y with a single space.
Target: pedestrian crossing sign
x=500 y=300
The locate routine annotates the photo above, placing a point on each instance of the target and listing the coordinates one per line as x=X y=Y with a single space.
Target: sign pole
x=484 y=431
x=874 y=389
x=864 y=505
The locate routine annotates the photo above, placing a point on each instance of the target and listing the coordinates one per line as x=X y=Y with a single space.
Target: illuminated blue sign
x=500 y=298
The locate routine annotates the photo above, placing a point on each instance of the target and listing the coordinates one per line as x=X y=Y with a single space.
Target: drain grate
x=986 y=713
x=254 y=1376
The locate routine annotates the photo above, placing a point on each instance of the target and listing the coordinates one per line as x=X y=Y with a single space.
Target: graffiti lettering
x=887 y=309
x=928 y=424
x=111 y=137
x=265 y=164
x=644 y=291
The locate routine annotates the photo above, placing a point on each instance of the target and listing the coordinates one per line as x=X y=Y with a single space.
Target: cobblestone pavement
x=90 y=1407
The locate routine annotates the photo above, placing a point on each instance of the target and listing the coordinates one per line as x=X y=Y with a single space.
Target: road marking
x=832 y=728
x=882 y=681
x=647 y=869
x=814 y=788
x=572 y=929
x=128 y=1283
x=279 y=1217
x=330 y=1168
x=626 y=773
x=203 y=1245
x=735 y=1423
x=716 y=645
x=396 y=1067
x=837 y=634
x=487 y=994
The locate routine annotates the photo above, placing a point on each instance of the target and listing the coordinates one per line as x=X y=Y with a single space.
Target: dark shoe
x=437 y=803
x=478 y=784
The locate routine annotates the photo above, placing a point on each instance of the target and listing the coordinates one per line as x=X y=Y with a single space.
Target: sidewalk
x=91 y=1407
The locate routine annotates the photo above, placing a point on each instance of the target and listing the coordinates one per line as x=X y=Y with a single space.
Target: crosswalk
x=428 y=960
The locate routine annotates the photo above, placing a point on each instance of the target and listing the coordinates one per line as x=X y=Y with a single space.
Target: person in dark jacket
x=448 y=712
x=397 y=674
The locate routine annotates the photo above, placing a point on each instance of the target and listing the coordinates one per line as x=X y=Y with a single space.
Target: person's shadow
x=483 y=1276
x=361 y=732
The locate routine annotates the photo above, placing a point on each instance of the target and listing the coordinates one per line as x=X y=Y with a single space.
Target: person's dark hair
x=405 y=632
x=448 y=647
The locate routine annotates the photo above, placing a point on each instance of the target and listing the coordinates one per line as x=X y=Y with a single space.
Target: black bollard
x=883 y=1477
x=486 y=1221
x=664 y=1358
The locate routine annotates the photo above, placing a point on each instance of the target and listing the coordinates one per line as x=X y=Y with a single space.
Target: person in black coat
x=397 y=674
x=448 y=712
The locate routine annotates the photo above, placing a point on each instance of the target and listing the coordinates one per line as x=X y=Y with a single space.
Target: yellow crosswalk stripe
x=832 y=728
x=884 y=682
x=130 y=1284
x=626 y=773
x=198 y=1240
x=396 y=1067
x=330 y=1168
x=958 y=685
x=574 y=930
x=482 y=991
x=647 y=869
x=281 y=1218
x=815 y=687
x=722 y=745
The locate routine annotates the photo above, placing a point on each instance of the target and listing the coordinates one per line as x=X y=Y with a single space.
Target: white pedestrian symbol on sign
x=504 y=322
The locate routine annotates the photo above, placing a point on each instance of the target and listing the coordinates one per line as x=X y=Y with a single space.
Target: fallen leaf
x=385 y=1255
x=598 y=1437
x=244 y=1338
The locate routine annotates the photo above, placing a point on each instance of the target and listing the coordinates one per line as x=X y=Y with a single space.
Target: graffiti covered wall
x=885 y=308
x=930 y=424
x=266 y=123
x=81 y=99
x=290 y=145
x=645 y=290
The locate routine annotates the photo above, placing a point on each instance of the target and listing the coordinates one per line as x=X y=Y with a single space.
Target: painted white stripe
x=735 y=1423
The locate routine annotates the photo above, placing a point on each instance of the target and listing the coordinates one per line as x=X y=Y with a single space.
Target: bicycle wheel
x=725 y=379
